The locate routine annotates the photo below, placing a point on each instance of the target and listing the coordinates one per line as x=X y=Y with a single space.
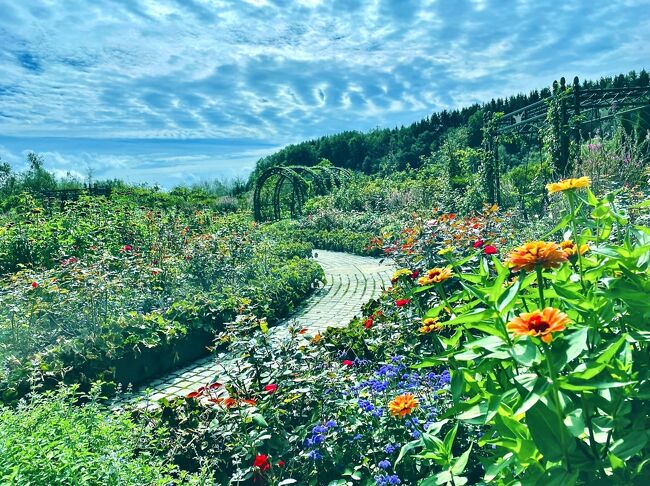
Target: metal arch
x=304 y=181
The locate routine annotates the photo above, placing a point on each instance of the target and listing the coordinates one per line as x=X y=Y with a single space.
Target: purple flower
x=390 y=448
x=315 y=456
x=331 y=424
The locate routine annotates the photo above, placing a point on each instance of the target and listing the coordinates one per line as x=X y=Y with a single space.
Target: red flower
x=347 y=362
x=490 y=250
x=214 y=386
x=402 y=302
x=34 y=285
x=195 y=394
x=280 y=464
x=271 y=388
x=303 y=331
x=262 y=462
x=126 y=248
x=478 y=244
x=368 y=323
x=415 y=274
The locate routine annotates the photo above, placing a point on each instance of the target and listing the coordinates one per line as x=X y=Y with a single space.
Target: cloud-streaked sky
x=173 y=91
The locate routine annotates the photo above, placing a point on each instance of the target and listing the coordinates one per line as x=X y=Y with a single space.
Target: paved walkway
x=351 y=282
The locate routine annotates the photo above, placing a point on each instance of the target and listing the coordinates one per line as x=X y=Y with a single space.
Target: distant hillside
x=401 y=148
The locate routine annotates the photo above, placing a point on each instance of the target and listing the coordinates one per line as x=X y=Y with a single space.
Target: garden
x=510 y=348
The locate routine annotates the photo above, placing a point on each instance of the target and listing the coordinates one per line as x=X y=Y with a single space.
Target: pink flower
x=478 y=244
x=402 y=302
x=490 y=250
x=34 y=285
x=271 y=388
x=126 y=248
x=415 y=274
x=347 y=362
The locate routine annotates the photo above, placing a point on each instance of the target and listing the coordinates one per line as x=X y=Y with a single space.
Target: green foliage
x=50 y=440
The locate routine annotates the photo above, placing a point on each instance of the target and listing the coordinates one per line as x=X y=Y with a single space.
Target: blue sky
x=177 y=91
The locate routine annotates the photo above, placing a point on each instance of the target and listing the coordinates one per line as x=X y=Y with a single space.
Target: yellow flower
x=539 y=323
x=445 y=250
x=568 y=184
x=570 y=249
x=429 y=325
x=403 y=405
x=400 y=273
x=536 y=253
x=439 y=275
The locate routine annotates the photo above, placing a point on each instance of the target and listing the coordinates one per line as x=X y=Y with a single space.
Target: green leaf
x=557 y=477
x=611 y=351
x=546 y=432
x=630 y=445
x=460 y=464
x=506 y=300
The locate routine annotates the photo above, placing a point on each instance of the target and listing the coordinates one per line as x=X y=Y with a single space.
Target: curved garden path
x=351 y=282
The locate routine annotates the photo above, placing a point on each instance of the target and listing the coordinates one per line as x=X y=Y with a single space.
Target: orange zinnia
x=568 y=184
x=403 y=405
x=543 y=253
x=436 y=275
x=539 y=323
x=429 y=325
x=571 y=249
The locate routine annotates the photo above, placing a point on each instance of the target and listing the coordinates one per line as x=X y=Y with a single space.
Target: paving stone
x=351 y=281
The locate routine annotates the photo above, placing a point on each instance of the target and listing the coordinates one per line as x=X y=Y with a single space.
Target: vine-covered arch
x=292 y=184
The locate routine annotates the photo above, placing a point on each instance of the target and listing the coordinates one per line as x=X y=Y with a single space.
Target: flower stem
x=576 y=237
x=556 y=402
x=540 y=286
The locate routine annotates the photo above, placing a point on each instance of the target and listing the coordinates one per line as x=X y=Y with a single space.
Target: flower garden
x=508 y=349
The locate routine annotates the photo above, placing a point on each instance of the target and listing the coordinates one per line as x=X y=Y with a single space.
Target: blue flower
x=365 y=405
x=385 y=464
x=318 y=439
x=416 y=435
x=378 y=413
x=331 y=424
x=387 y=480
x=319 y=429
x=390 y=448
x=358 y=436
x=315 y=456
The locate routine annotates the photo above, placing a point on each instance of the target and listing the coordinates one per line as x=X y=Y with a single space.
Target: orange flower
x=543 y=253
x=429 y=325
x=403 y=405
x=570 y=249
x=568 y=184
x=436 y=275
x=539 y=323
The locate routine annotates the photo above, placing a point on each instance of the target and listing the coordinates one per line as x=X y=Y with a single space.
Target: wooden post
x=564 y=130
x=576 y=112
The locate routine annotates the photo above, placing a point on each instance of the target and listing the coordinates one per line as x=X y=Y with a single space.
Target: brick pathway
x=351 y=282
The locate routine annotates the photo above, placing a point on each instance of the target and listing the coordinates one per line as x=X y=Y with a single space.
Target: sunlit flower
x=403 y=272
x=436 y=275
x=545 y=254
x=568 y=184
x=316 y=338
x=303 y=331
x=490 y=250
x=446 y=250
x=570 y=249
x=403 y=405
x=539 y=323
x=402 y=302
x=430 y=324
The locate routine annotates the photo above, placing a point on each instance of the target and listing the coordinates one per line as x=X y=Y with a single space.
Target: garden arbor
x=557 y=121
x=290 y=186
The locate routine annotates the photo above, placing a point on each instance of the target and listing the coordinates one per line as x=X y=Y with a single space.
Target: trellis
x=565 y=114
x=299 y=182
